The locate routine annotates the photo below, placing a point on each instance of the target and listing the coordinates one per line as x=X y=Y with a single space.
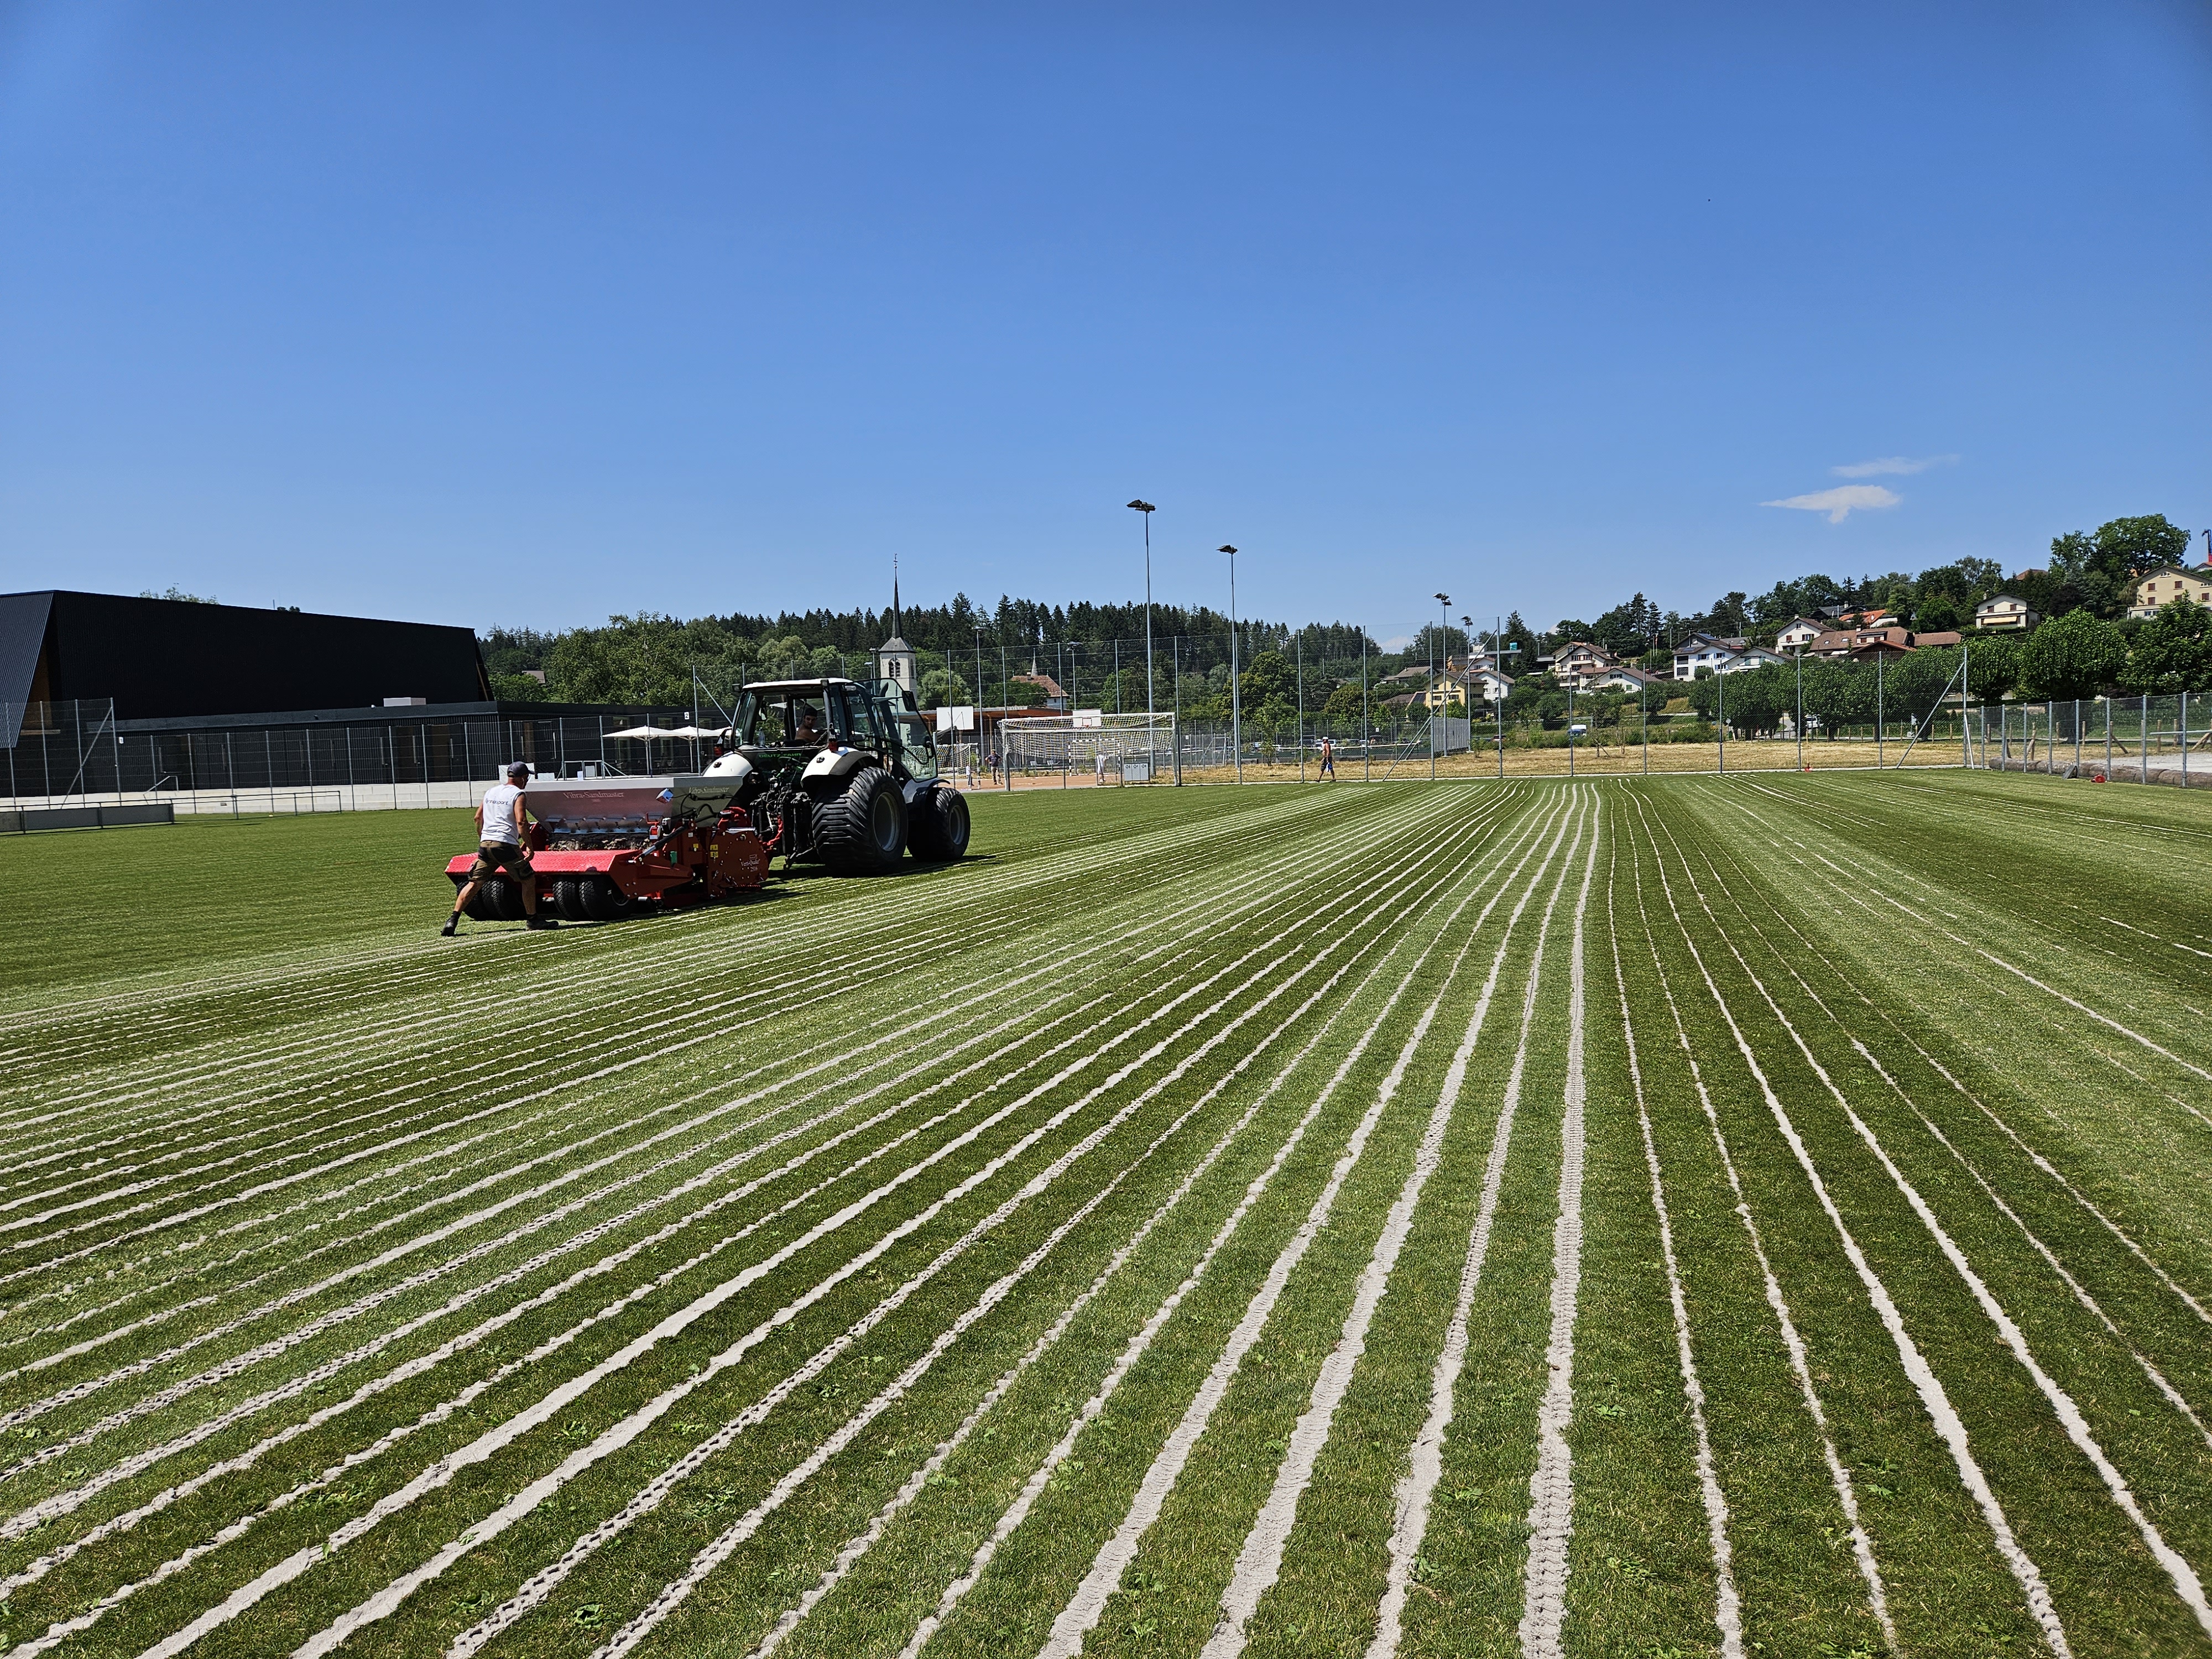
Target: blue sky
x=533 y=313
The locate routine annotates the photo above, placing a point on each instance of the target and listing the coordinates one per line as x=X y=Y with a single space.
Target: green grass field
x=1756 y=1216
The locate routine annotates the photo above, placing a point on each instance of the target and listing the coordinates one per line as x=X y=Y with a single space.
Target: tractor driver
x=501 y=844
x=811 y=732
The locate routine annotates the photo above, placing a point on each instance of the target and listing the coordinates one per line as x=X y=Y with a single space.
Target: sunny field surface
x=1756 y=1216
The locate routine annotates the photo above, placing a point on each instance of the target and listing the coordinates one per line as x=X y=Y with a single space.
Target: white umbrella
x=647 y=731
x=698 y=731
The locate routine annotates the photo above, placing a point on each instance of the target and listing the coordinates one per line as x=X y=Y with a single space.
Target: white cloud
x=1398 y=642
x=1887 y=466
x=1838 y=503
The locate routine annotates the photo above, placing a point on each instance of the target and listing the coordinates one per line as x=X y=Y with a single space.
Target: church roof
x=895 y=643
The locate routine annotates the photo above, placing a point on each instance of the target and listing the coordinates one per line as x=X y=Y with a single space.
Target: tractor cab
x=844 y=771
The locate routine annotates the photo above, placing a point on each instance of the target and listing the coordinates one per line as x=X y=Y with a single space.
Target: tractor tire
x=569 y=899
x=862 y=830
x=937 y=823
x=500 y=899
x=605 y=902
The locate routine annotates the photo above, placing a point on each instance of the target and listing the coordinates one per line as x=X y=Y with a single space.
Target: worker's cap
x=518 y=769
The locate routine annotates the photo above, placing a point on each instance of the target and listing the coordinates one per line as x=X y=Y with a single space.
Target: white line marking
x=1082 y=1613
x=1551 y=1489
x=1934 y=1399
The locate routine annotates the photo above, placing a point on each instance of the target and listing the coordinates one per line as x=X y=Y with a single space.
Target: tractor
x=842 y=774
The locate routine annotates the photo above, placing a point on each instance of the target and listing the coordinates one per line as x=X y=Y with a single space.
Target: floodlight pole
x=1148 y=509
x=1799 y=722
x=1236 y=700
x=1497 y=665
x=1366 y=743
x=1444 y=639
x=1878 y=754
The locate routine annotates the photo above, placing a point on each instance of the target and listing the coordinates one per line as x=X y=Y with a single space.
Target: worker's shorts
x=494 y=854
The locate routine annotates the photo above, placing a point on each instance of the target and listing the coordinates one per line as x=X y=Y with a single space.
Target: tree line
x=653 y=660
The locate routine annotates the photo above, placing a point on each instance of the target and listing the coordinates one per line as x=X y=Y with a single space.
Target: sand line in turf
x=1934 y=1399
x=568 y=1106
x=448 y=1078
x=675 y=963
x=2080 y=1292
x=933 y=1089
x=719 y=1203
x=785 y=990
x=1258 y=1562
x=542 y=1583
x=446 y=1409
x=708 y=1559
x=2022 y=975
x=1551 y=1488
x=1141 y=1344
x=1839 y=1477
x=352 y=1270
x=558 y=1085
x=857 y=1548
x=66 y=1502
x=1084 y=1608
x=487 y=1445
x=2026 y=1148
x=1416 y=1489
x=2061 y=1404
x=1727 y=1608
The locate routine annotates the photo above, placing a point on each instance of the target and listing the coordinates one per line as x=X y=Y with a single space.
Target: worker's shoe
x=453 y=926
x=539 y=924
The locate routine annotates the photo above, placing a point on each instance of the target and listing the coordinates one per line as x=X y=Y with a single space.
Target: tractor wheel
x=569 y=899
x=500 y=899
x=605 y=902
x=937 y=824
x=862 y=832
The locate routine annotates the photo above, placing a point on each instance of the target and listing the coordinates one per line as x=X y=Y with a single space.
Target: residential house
x=1706 y=651
x=1492 y=684
x=1800 y=633
x=1833 y=642
x=1940 y=636
x=1751 y=657
x=2163 y=587
x=1055 y=697
x=1867 y=643
x=2004 y=612
x=1579 y=663
x=1621 y=677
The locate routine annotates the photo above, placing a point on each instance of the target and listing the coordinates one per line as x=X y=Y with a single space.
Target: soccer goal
x=1106 y=748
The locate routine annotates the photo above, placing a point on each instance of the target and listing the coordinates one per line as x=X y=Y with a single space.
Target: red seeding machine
x=827 y=771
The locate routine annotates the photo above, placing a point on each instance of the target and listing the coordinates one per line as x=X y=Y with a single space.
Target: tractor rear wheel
x=603 y=900
x=568 y=899
x=499 y=899
x=937 y=823
x=862 y=832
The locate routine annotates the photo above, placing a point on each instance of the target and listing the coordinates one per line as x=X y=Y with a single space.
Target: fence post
x=2142 y=742
x=2185 y=740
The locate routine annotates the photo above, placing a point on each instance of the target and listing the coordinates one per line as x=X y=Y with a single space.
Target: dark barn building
x=101 y=694
x=164 y=659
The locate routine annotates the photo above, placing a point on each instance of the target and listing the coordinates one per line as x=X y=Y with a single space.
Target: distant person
x=1099 y=759
x=501 y=844
x=809 y=735
x=1328 y=760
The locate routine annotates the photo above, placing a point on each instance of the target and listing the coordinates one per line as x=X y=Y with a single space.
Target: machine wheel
x=937 y=824
x=862 y=831
x=569 y=899
x=605 y=902
x=499 y=899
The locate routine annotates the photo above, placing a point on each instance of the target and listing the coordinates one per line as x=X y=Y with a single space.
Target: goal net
x=1134 y=748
